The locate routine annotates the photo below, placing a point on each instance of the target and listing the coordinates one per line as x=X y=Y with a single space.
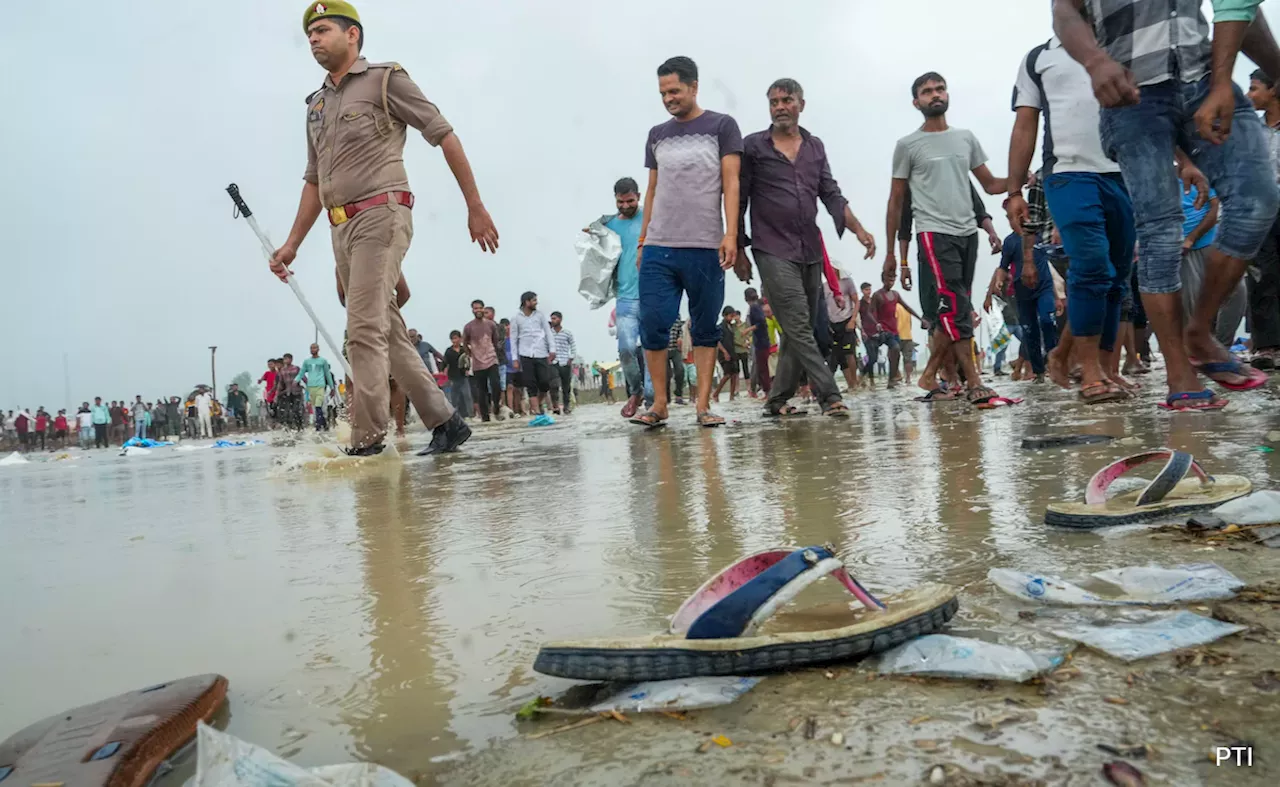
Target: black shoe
x=447 y=437
x=368 y=450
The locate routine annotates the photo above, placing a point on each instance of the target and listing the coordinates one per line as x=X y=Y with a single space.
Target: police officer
x=355 y=173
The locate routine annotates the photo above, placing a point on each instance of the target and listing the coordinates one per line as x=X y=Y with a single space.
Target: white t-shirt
x=1051 y=81
x=203 y=402
x=85 y=420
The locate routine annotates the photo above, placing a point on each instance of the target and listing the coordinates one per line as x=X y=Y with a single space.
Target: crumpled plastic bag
x=226 y=761
x=1148 y=634
x=652 y=695
x=598 y=249
x=945 y=656
x=1145 y=585
x=1191 y=582
x=1259 y=508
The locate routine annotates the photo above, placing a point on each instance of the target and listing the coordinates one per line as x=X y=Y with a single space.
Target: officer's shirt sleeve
x=409 y=105
x=311 y=175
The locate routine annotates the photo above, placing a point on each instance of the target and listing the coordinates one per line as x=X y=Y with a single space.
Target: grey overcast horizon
x=123 y=254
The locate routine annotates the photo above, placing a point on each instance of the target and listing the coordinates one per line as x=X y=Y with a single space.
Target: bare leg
x=1059 y=362
x=963 y=353
x=656 y=362
x=938 y=351
x=1221 y=278
x=895 y=355
x=1164 y=310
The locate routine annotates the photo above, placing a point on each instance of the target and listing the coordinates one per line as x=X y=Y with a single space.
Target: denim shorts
x=1142 y=138
x=666 y=274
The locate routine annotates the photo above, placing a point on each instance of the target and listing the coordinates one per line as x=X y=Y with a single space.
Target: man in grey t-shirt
x=685 y=246
x=935 y=161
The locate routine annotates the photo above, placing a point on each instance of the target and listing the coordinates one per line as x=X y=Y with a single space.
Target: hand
x=1059 y=306
x=997 y=245
x=515 y=364
x=868 y=242
x=1018 y=212
x=742 y=267
x=482 y=230
x=890 y=262
x=1191 y=175
x=838 y=298
x=728 y=252
x=1030 y=277
x=639 y=254
x=986 y=304
x=1187 y=243
x=904 y=275
x=280 y=261
x=1213 y=118
x=1113 y=84
x=551 y=357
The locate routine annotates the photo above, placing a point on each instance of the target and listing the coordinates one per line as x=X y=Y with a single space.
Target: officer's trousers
x=368 y=250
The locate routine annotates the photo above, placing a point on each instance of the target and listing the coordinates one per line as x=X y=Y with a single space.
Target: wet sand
x=391 y=611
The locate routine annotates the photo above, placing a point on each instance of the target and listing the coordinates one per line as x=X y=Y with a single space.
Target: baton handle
x=241 y=205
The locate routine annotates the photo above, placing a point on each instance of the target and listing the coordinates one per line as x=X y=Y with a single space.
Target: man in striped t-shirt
x=566 y=350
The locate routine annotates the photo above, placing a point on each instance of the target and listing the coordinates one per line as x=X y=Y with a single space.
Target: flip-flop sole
x=912 y=614
x=1041 y=443
x=1185 y=498
x=1217 y=405
x=796 y=414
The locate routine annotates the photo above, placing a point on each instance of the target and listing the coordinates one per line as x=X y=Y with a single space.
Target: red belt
x=344 y=213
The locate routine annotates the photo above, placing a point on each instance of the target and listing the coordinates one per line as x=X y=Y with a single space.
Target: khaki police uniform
x=355 y=151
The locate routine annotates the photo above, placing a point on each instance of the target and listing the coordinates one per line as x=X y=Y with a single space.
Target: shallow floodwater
x=391 y=611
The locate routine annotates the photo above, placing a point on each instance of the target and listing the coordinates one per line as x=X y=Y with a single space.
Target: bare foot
x=1057 y=368
x=928 y=383
x=1124 y=383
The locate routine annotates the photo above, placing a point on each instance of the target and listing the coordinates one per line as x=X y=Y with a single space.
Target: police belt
x=344 y=213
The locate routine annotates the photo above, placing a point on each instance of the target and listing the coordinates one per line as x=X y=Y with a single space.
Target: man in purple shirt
x=685 y=245
x=784 y=174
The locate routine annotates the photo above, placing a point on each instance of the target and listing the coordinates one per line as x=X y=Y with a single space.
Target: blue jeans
x=140 y=430
x=1142 y=138
x=666 y=274
x=627 y=320
x=1095 y=216
x=1039 y=331
x=1016 y=331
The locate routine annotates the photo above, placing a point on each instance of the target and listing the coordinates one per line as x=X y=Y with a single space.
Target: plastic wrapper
x=1259 y=508
x=1143 y=585
x=1151 y=634
x=653 y=695
x=226 y=761
x=945 y=656
x=598 y=249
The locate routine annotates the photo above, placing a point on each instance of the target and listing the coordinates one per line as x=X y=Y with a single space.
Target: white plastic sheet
x=1143 y=585
x=1152 y=634
x=598 y=249
x=1259 y=508
x=654 y=695
x=945 y=656
x=226 y=761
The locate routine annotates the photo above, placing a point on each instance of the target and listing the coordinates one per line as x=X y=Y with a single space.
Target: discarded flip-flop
x=1169 y=494
x=118 y=742
x=1193 y=400
x=937 y=395
x=997 y=401
x=1255 y=378
x=981 y=395
x=721 y=629
x=1041 y=443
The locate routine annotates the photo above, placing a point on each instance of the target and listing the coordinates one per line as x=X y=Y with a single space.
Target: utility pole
x=213 y=369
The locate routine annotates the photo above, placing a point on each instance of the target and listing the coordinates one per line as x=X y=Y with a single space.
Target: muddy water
x=391 y=612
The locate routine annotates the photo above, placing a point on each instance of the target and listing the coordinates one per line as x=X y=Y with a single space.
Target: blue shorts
x=666 y=274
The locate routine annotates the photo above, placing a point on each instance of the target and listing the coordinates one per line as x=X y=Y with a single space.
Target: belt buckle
x=338 y=215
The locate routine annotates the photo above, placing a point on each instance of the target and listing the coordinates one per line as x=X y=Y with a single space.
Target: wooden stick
x=567 y=727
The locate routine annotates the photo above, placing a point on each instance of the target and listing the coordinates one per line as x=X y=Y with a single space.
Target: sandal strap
x=1177 y=465
x=740 y=598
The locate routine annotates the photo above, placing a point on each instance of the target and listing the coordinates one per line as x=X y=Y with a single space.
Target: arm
x=648 y=211
x=515 y=344
x=1260 y=47
x=1022 y=143
x=746 y=174
x=1231 y=22
x=730 y=171
x=308 y=211
x=1113 y=85
x=990 y=183
x=893 y=216
x=402 y=292
x=546 y=337
x=479 y=223
x=1207 y=223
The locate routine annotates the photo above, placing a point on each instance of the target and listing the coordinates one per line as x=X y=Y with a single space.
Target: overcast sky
x=120 y=247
